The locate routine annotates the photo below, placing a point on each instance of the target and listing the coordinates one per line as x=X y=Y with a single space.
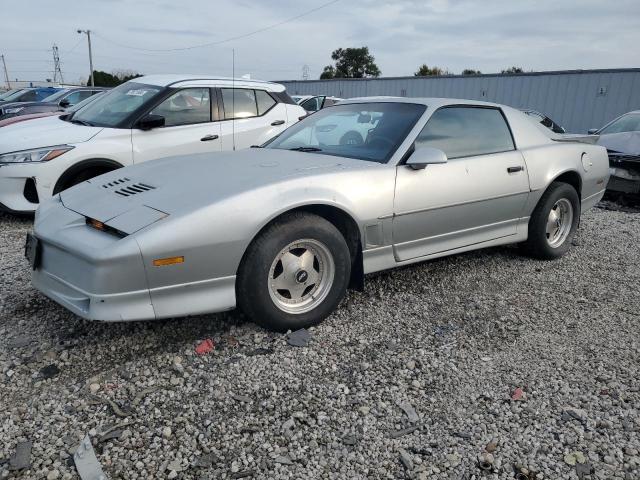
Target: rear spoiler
x=576 y=137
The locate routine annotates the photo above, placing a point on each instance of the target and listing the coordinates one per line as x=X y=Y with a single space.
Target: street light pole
x=88 y=32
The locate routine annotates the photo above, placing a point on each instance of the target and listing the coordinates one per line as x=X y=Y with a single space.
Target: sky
x=487 y=35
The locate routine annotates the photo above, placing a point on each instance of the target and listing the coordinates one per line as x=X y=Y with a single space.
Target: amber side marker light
x=163 y=262
x=95 y=223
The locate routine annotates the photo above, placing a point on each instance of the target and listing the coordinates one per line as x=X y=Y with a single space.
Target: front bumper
x=12 y=196
x=211 y=296
x=134 y=305
x=100 y=276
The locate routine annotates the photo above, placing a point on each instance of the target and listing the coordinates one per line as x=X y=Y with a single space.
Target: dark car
x=58 y=101
x=621 y=138
x=30 y=116
x=8 y=93
x=31 y=94
x=544 y=120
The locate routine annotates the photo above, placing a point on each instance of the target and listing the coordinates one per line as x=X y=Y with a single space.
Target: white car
x=313 y=103
x=145 y=119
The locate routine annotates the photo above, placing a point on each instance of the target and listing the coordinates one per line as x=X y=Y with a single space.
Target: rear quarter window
x=265 y=101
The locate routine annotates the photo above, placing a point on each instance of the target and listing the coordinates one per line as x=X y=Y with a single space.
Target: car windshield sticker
x=137 y=93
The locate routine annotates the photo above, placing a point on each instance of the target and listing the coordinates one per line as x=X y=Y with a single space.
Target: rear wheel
x=554 y=222
x=295 y=273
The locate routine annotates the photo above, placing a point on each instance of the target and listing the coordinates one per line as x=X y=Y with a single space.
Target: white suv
x=145 y=119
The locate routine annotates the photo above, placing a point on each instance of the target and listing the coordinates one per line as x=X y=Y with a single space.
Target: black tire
x=351 y=138
x=537 y=244
x=252 y=285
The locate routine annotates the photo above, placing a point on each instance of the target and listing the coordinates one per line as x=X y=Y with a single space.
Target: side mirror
x=592 y=131
x=150 y=121
x=424 y=156
x=64 y=103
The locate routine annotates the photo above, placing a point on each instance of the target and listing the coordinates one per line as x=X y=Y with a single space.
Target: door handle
x=208 y=138
x=519 y=168
x=277 y=122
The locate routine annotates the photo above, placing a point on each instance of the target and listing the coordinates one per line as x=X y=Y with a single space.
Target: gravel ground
x=529 y=369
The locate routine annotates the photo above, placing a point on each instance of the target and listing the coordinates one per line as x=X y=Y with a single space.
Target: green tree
x=425 y=71
x=512 y=70
x=351 y=63
x=105 y=79
x=328 y=72
x=471 y=71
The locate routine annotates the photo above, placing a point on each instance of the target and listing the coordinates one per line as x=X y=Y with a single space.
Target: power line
x=226 y=40
x=75 y=46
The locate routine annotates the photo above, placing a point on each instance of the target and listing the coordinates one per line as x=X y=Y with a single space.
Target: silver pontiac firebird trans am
x=283 y=230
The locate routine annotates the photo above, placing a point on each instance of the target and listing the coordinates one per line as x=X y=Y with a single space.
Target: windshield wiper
x=81 y=122
x=306 y=149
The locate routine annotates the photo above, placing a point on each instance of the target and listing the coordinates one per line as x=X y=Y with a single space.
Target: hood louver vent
x=126 y=189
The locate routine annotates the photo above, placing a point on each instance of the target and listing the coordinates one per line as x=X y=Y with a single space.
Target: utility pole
x=88 y=32
x=6 y=74
x=305 y=72
x=57 y=70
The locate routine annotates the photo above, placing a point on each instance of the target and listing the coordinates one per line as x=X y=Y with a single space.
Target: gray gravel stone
x=452 y=338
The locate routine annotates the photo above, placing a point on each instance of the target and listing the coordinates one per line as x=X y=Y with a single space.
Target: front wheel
x=295 y=273
x=554 y=222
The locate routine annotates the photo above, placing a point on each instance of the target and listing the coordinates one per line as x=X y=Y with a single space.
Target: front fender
x=214 y=237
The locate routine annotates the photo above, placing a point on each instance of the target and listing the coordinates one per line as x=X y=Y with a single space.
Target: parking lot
x=422 y=375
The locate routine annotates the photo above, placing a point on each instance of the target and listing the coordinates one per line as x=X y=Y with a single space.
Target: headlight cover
x=13 y=110
x=36 y=155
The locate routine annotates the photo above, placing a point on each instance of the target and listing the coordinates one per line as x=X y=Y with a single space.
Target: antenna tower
x=57 y=70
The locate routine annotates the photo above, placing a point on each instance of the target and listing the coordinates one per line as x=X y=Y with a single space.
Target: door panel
x=188 y=127
x=178 y=140
x=251 y=117
x=462 y=202
x=253 y=131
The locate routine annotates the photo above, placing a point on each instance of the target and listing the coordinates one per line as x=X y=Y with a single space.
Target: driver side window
x=466 y=132
x=185 y=107
x=76 y=97
x=30 y=96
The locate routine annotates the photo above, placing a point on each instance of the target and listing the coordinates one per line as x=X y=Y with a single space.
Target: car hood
x=624 y=142
x=133 y=197
x=43 y=132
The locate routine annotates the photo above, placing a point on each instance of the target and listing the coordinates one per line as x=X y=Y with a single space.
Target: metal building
x=576 y=99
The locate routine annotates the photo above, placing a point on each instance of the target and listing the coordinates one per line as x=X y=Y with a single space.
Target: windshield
x=83 y=103
x=15 y=94
x=56 y=96
x=8 y=93
x=626 y=123
x=365 y=131
x=116 y=105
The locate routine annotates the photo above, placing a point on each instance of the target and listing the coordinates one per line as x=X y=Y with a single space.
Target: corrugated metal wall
x=577 y=100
